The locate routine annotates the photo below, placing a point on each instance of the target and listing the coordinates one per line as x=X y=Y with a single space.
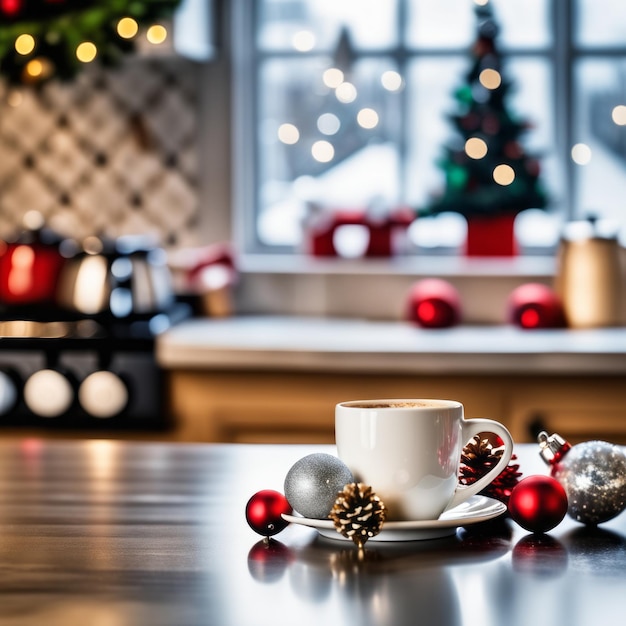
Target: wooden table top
x=105 y=533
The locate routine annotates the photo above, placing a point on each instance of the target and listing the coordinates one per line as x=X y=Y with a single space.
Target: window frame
x=258 y=257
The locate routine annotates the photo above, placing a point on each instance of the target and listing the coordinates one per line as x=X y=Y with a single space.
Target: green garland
x=59 y=28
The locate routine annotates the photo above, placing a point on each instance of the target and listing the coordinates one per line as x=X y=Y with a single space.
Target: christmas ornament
x=477 y=458
x=313 y=482
x=358 y=513
x=538 y=503
x=264 y=512
x=535 y=305
x=434 y=303
x=593 y=474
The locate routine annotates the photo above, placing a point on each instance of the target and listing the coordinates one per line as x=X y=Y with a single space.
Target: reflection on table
x=128 y=534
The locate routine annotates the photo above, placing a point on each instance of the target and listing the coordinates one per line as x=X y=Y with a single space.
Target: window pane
x=432 y=82
x=371 y=23
x=601 y=23
x=321 y=144
x=524 y=24
x=600 y=173
x=451 y=23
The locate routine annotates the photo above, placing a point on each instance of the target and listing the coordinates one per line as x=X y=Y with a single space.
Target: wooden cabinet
x=298 y=407
x=578 y=408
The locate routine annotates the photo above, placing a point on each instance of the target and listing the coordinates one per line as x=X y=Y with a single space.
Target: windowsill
x=458 y=266
x=378 y=288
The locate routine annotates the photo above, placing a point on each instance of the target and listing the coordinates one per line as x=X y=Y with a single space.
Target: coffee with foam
x=396 y=404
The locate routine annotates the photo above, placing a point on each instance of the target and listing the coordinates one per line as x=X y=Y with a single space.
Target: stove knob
x=9 y=391
x=48 y=393
x=103 y=394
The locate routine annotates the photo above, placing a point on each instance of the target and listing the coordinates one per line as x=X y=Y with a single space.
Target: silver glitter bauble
x=313 y=482
x=593 y=474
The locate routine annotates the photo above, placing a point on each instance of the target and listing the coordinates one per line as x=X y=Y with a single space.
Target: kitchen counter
x=322 y=345
x=276 y=379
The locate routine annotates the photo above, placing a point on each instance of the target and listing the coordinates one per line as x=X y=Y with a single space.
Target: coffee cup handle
x=472 y=427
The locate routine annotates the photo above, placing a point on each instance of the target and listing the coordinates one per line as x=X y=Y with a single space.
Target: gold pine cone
x=358 y=513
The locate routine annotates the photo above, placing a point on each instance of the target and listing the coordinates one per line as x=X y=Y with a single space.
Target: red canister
x=29 y=268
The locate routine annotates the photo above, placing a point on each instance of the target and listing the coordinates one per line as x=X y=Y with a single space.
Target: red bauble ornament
x=11 y=7
x=538 y=503
x=535 y=305
x=434 y=303
x=264 y=512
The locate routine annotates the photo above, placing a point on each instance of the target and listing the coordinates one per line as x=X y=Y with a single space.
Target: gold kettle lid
x=589 y=229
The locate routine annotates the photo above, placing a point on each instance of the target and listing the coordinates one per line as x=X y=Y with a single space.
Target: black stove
x=60 y=371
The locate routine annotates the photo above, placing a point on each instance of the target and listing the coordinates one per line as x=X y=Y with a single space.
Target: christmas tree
x=487 y=172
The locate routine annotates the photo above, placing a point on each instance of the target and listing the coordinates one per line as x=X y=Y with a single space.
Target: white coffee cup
x=409 y=452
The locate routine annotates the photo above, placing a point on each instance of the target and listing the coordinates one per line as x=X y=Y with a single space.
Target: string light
x=25 y=44
x=156 y=34
x=475 y=148
x=504 y=174
x=127 y=28
x=38 y=69
x=490 y=78
x=86 y=52
x=30 y=32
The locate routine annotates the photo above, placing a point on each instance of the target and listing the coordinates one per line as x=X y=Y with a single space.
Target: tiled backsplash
x=112 y=153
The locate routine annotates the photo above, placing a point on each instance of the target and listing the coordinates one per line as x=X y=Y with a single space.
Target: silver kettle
x=125 y=278
x=589 y=277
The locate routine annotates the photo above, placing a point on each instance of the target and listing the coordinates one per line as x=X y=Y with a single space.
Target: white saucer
x=476 y=509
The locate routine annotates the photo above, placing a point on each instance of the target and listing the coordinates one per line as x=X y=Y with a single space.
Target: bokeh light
x=346 y=92
x=490 y=78
x=156 y=34
x=332 y=77
x=86 y=52
x=504 y=174
x=475 y=148
x=25 y=44
x=288 y=133
x=391 y=81
x=303 y=41
x=618 y=115
x=127 y=28
x=323 y=151
x=581 y=154
x=367 y=118
x=328 y=124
